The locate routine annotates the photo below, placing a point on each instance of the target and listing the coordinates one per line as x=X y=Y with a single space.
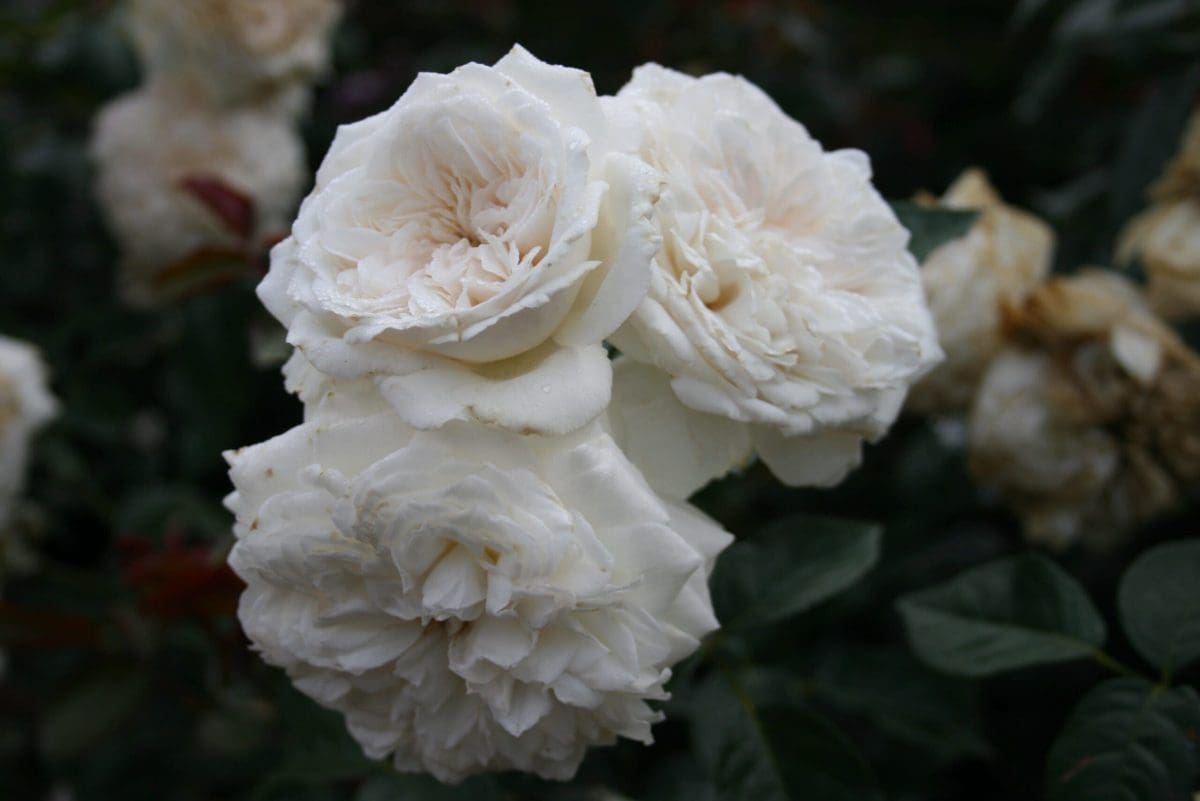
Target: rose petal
x=678 y=449
x=546 y=391
x=623 y=243
x=809 y=460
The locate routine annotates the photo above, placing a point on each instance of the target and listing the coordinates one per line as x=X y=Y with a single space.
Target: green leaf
x=91 y=711
x=904 y=699
x=777 y=753
x=678 y=777
x=1025 y=12
x=408 y=787
x=318 y=749
x=1007 y=614
x=931 y=226
x=1159 y=602
x=1127 y=740
x=792 y=567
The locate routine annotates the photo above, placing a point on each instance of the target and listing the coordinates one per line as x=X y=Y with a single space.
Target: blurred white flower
x=470 y=599
x=25 y=405
x=178 y=181
x=236 y=52
x=1166 y=236
x=969 y=281
x=470 y=248
x=1090 y=422
x=783 y=297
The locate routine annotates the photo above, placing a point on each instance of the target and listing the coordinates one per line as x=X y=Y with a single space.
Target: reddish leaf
x=45 y=628
x=179 y=580
x=204 y=269
x=234 y=208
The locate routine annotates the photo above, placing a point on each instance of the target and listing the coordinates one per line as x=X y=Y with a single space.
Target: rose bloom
x=968 y=281
x=236 y=51
x=469 y=249
x=25 y=405
x=783 y=297
x=468 y=598
x=1166 y=236
x=1090 y=422
x=152 y=144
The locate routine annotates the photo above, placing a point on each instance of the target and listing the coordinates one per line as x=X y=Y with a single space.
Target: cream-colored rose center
x=734 y=215
x=468 y=208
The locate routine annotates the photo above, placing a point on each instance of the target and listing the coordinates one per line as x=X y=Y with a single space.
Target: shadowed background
x=126 y=674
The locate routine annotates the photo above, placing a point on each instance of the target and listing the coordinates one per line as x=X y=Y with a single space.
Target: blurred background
x=126 y=676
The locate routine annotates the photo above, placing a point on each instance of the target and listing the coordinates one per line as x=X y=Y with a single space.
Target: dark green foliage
x=1128 y=740
x=1007 y=614
x=774 y=752
x=1160 y=605
x=127 y=677
x=931 y=227
x=795 y=564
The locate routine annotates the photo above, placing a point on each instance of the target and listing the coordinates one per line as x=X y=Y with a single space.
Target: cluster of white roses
x=25 y=405
x=1083 y=406
x=477 y=546
x=200 y=168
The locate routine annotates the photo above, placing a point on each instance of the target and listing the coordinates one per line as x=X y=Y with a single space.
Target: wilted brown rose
x=1089 y=422
x=1004 y=256
x=1166 y=236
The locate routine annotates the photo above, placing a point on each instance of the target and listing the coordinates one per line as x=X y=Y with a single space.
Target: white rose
x=25 y=405
x=782 y=297
x=236 y=51
x=969 y=281
x=469 y=249
x=153 y=145
x=1090 y=422
x=470 y=599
